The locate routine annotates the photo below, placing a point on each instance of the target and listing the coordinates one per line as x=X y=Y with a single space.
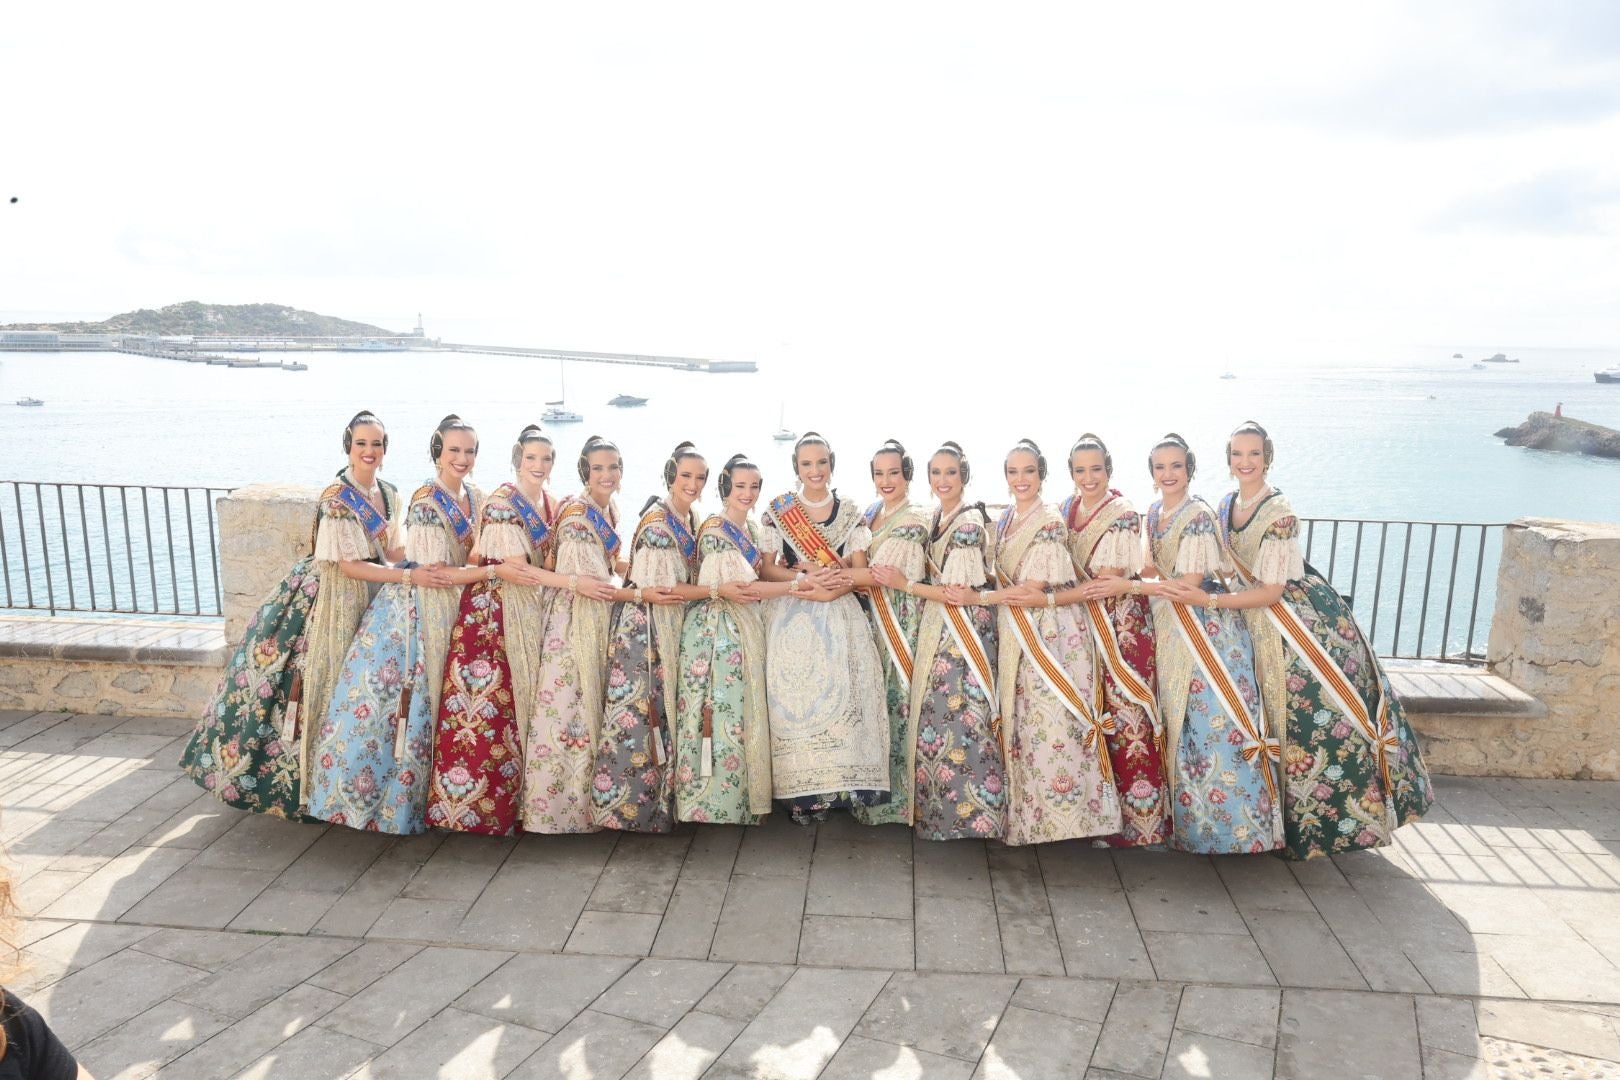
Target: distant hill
x=204 y=320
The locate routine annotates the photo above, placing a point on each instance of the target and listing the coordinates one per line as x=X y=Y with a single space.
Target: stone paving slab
x=171 y=936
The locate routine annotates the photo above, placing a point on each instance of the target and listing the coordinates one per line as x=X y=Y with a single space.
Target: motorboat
x=1456 y=356
x=295 y=365
x=29 y=401
x=1607 y=375
x=627 y=401
x=1476 y=367
x=1227 y=375
x=1500 y=358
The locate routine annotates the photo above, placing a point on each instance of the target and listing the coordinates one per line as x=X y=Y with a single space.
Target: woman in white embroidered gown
x=824 y=682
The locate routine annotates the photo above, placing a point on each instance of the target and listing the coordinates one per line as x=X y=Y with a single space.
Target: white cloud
x=840 y=181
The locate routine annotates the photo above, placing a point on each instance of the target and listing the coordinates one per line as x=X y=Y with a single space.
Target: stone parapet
x=1556 y=635
x=263 y=530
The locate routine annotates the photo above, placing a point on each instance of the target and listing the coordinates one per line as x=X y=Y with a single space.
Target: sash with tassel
x=750 y=552
x=900 y=651
x=1258 y=745
x=1376 y=727
x=972 y=649
x=1056 y=679
x=686 y=543
x=376 y=525
x=1125 y=676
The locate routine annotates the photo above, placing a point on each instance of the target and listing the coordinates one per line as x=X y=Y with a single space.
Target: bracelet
x=1051 y=599
x=405 y=577
x=714 y=591
x=573 y=583
x=984 y=596
x=908 y=588
x=1215 y=601
x=1136 y=588
x=636 y=592
x=490 y=575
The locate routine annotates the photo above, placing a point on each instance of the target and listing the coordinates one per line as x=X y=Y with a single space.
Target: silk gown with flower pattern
x=1109 y=536
x=824 y=681
x=1221 y=800
x=1058 y=784
x=898 y=541
x=1335 y=797
x=960 y=780
x=241 y=751
x=560 y=743
x=722 y=691
x=632 y=787
x=370 y=764
x=489 y=676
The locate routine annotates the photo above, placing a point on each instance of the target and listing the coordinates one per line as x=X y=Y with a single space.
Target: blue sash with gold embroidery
x=872 y=513
x=459 y=522
x=533 y=523
x=683 y=535
x=740 y=538
x=375 y=524
x=604 y=529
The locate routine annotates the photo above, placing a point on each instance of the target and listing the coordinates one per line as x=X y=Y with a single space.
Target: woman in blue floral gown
x=373 y=751
x=1222 y=755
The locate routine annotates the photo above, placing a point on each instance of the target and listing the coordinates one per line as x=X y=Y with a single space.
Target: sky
x=829 y=185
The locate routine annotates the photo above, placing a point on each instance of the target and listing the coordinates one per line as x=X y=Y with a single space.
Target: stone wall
x=121 y=688
x=263 y=530
x=1556 y=635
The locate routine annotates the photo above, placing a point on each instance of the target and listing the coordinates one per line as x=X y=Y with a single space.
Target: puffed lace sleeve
x=426 y=541
x=1120 y=547
x=1281 y=560
x=578 y=550
x=655 y=560
x=769 y=542
x=722 y=562
x=860 y=538
x=968 y=558
x=502 y=534
x=1048 y=559
x=340 y=537
x=1200 y=550
x=904 y=550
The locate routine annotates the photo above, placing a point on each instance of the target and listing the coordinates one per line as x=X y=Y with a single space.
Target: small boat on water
x=1607 y=375
x=1227 y=375
x=1476 y=367
x=784 y=433
x=627 y=401
x=1456 y=356
x=557 y=412
x=1500 y=358
x=29 y=401
x=295 y=365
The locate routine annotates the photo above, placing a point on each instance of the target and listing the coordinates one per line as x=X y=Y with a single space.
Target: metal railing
x=1420 y=589
x=118 y=548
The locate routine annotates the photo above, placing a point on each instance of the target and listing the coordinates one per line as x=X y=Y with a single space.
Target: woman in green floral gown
x=248 y=750
x=722 y=733
x=1350 y=765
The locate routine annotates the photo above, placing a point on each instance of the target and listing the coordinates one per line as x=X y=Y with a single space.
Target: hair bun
x=1031 y=443
x=736 y=459
x=450 y=418
x=950 y=444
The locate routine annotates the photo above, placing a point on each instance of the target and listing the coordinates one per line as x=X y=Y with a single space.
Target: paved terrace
x=167 y=932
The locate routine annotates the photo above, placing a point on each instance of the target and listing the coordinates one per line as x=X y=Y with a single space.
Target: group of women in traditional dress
x=1179 y=678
